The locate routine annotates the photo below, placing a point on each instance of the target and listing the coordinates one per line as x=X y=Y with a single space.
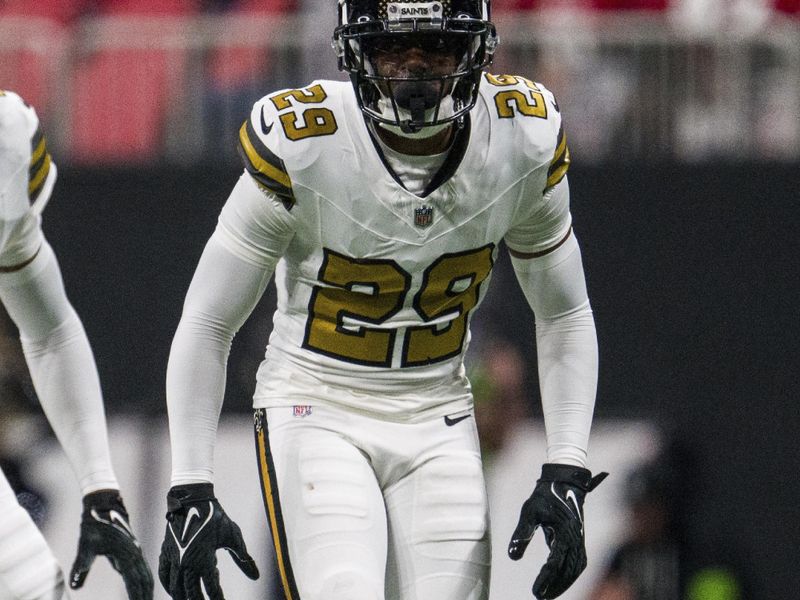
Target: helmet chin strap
x=387 y=111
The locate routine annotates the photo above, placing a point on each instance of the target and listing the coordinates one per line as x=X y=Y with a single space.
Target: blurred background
x=683 y=119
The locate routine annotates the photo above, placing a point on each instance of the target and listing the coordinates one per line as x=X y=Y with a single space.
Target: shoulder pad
x=534 y=107
x=22 y=142
x=277 y=139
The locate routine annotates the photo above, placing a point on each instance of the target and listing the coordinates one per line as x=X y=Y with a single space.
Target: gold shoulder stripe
x=37 y=181
x=40 y=165
x=266 y=168
x=560 y=163
x=38 y=146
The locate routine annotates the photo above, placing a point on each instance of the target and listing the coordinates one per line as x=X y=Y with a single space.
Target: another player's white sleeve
x=28 y=569
x=62 y=366
x=238 y=261
x=554 y=284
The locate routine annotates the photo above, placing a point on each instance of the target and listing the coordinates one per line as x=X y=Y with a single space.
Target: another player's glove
x=106 y=530
x=196 y=528
x=557 y=506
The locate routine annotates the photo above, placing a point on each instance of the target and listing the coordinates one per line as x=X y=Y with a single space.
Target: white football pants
x=28 y=569
x=365 y=509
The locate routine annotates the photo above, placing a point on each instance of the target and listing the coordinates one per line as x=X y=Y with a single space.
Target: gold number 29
x=357 y=296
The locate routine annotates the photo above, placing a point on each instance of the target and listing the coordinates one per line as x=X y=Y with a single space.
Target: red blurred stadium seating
x=579 y=5
x=32 y=67
x=41 y=28
x=791 y=7
x=120 y=103
x=652 y=5
x=147 y=7
x=236 y=66
x=60 y=11
x=122 y=95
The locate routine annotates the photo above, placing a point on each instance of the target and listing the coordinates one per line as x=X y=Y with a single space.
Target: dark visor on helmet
x=441 y=43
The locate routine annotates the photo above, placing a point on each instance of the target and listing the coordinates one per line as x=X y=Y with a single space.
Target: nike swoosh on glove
x=556 y=505
x=196 y=528
x=106 y=531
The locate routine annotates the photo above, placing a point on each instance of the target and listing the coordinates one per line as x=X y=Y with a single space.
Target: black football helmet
x=415 y=97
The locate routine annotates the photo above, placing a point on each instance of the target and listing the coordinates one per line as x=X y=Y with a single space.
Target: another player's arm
x=59 y=357
x=31 y=288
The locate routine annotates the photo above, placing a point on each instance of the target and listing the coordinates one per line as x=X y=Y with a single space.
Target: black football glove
x=556 y=505
x=196 y=528
x=106 y=530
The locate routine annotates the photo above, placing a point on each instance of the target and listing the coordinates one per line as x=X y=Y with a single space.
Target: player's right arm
x=254 y=229
x=58 y=355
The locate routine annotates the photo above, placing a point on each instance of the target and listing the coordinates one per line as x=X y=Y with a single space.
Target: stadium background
x=684 y=125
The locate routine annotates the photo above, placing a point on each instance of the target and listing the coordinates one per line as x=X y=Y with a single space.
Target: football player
x=64 y=375
x=380 y=206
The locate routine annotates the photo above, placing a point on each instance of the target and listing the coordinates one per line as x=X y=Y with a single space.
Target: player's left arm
x=552 y=278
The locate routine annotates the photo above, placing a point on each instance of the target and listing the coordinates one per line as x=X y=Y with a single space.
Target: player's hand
x=196 y=528
x=556 y=506
x=106 y=531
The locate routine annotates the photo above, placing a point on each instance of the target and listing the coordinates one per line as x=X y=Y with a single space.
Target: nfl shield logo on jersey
x=301 y=410
x=423 y=216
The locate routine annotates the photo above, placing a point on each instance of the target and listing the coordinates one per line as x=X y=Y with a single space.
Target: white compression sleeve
x=232 y=274
x=28 y=569
x=223 y=293
x=62 y=366
x=555 y=288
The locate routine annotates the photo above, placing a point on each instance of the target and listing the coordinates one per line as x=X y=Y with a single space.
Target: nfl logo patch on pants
x=301 y=410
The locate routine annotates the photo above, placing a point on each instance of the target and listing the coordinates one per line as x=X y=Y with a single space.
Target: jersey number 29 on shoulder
x=512 y=101
x=311 y=122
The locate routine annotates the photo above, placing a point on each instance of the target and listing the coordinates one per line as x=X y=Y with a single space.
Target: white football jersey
x=377 y=286
x=27 y=173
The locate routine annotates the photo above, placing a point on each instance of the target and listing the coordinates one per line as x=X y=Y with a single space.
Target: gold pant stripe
x=272 y=504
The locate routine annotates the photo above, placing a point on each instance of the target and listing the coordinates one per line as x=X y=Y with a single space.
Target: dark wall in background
x=694 y=275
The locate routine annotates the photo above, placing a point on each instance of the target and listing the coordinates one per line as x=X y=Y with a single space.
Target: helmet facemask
x=417 y=69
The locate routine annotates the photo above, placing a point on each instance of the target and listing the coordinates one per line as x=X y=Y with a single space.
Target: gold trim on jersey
x=40 y=165
x=269 y=489
x=527 y=255
x=266 y=168
x=560 y=163
x=24 y=263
